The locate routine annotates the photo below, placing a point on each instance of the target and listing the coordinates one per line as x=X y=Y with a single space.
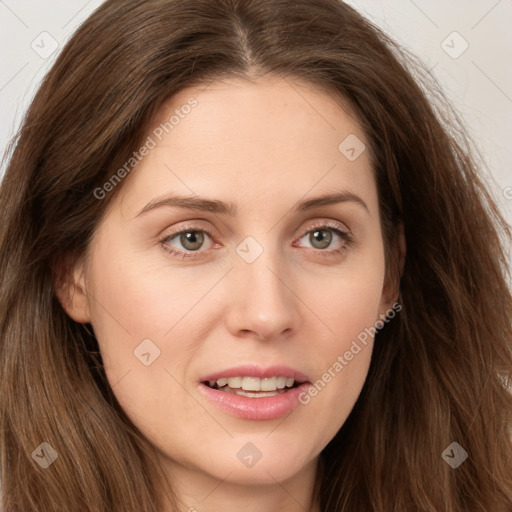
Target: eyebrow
x=203 y=204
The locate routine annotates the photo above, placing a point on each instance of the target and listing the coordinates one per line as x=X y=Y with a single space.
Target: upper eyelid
x=332 y=224
x=190 y=227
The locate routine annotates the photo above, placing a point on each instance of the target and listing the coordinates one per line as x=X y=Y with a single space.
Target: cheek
x=348 y=312
x=149 y=320
x=133 y=301
x=347 y=305
x=346 y=300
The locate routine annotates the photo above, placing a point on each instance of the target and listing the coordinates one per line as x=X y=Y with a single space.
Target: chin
x=259 y=461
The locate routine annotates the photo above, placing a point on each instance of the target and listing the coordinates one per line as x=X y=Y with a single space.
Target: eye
x=320 y=238
x=191 y=240
x=186 y=241
x=327 y=239
x=194 y=241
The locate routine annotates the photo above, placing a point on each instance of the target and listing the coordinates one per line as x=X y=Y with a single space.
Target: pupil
x=192 y=240
x=320 y=239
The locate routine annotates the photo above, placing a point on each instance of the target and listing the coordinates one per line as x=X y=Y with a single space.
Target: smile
x=254 y=387
x=254 y=393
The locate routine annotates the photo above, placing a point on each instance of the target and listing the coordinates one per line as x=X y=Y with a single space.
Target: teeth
x=251 y=384
x=268 y=384
x=255 y=383
x=233 y=382
x=281 y=382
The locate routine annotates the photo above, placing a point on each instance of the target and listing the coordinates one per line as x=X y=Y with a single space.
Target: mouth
x=253 y=393
x=254 y=387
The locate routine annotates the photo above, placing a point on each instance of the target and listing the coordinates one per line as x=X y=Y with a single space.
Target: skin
x=264 y=146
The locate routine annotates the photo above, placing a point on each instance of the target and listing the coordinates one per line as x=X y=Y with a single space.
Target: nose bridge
x=262 y=300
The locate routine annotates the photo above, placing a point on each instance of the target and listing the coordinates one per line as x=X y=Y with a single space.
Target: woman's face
x=245 y=249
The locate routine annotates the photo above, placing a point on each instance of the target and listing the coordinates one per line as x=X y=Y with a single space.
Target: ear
x=70 y=288
x=397 y=253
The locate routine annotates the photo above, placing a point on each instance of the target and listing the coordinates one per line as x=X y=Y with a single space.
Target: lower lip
x=265 y=408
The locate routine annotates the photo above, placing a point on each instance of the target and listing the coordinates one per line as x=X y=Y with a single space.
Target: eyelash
x=335 y=228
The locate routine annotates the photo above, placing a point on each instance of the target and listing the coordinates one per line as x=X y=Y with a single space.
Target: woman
x=245 y=263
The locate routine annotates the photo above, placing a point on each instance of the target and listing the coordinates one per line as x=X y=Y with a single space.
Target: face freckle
x=248 y=238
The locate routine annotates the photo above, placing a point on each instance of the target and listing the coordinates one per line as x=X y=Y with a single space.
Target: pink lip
x=267 y=408
x=255 y=371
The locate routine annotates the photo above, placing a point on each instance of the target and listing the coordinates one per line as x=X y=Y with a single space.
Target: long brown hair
x=439 y=370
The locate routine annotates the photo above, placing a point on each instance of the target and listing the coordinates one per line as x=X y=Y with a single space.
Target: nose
x=263 y=305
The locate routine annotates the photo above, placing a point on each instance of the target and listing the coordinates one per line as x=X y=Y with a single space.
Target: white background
x=478 y=82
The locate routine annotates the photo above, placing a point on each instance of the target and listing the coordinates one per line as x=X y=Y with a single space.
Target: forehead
x=267 y=138
x=235 y=109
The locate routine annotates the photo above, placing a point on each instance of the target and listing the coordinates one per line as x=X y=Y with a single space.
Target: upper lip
x=258 y=371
